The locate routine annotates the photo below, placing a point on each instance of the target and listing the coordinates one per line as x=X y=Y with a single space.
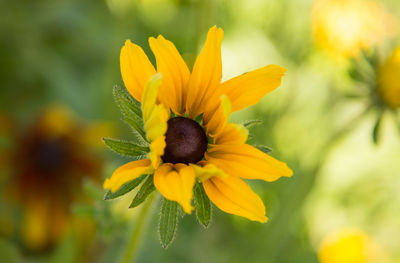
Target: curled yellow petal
x=175 y=183
x=206 y=74
x=205 y=171
x=136 y=69
x=247 y=162
x=234 y=196
x=155 y=117
x=218 y=120
x=247 y=89
x=149 y=96
x=126 y=173
x=156 y=126
x=175 y=74
x=156 y=151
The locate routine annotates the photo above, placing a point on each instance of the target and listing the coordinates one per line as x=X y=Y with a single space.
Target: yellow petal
x=156 y=151
x=234 y=196
x=205 y=171
x=206 y=74
x=126 y=173
x=156 y=126
x=155 y=116
x=35 y=226
x=232 y=134
x=247 y=162
x=247 y=89
x=149 y=96
x=175 y=74
x=136 y=68
x=175 y=183
x=218 y=120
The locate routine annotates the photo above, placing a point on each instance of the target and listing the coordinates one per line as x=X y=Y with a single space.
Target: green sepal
x=127 y=148
x=145 y=190
x=250 y=123
x=199 y=119
x=125 y=188
x=263 y=148
x=203 y=205
x=376 y=130
x=168 y=223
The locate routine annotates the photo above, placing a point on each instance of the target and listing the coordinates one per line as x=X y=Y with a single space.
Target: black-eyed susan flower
x=191 y=143
x=349 y=245
x=347 y=27
x=378 y=83
x=47 y=163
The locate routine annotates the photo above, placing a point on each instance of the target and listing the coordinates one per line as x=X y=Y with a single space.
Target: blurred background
x=335 y=120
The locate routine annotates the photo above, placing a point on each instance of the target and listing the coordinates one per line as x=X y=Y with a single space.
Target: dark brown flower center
x=186 y=141
x=50 y=154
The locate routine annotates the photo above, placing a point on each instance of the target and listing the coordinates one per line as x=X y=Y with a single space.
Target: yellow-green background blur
x=65 y=53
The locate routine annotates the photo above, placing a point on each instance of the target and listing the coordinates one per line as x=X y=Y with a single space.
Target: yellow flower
x=349 y=245
x=183 y=150
x=345 y=27
x=389 y=80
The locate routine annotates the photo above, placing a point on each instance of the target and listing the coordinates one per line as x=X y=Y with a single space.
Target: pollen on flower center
x=186 y=141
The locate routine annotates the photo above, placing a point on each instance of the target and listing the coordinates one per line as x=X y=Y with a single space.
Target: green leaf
x=144 y=191
x=263 y=148
x=136 y=125
x=131 y=109
x=168 y=222
x=203 y=205
x=127 y=148
x=127 y=104
x=125 y=188
x=250 y=123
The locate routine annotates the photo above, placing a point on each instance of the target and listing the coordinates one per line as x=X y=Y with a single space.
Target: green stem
x=138 y=231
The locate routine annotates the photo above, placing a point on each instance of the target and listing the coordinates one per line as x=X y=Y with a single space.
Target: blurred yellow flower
x=345 y=27
x=388 y=77
x=349 y=245
x=47 y=164
x=185 y=147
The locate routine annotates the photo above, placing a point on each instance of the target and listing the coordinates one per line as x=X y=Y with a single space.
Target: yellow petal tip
x=188 y=209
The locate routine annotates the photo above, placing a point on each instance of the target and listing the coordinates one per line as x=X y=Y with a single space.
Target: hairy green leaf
x=144 y=191
x=168 y=223
x=136 y=125
x=202 y=204
x=128 y=104
x=125 y=188
x=131 y=109
x=127 y=148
